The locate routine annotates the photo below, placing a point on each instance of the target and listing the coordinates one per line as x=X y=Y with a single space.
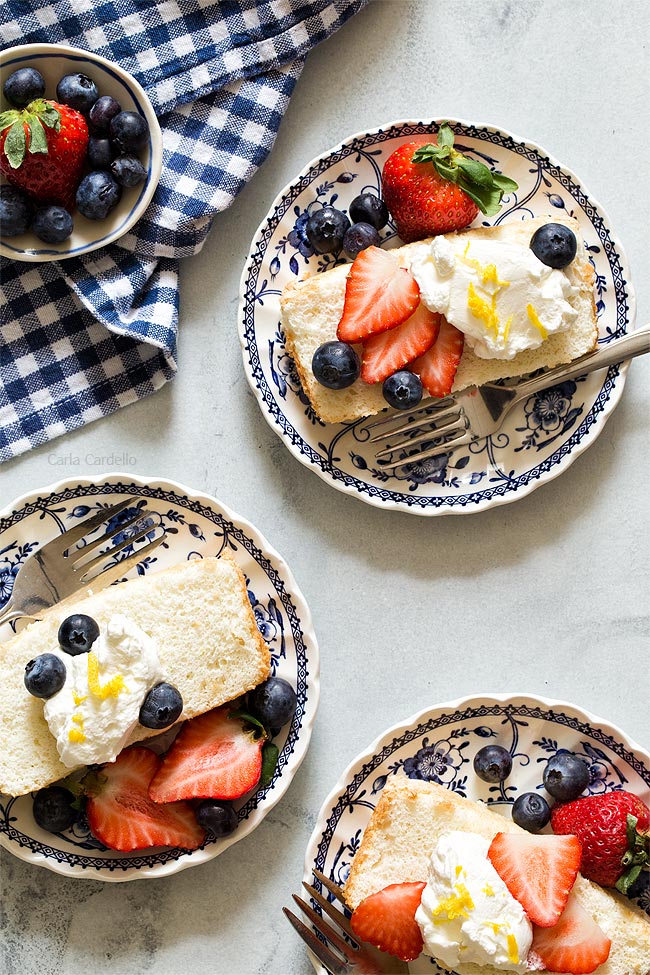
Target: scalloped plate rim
x=302 y=743
x=433 y=510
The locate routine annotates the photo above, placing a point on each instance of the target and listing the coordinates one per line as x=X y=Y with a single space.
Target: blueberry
x=218 y=818
x=23 y=86
x=128 y=171
x=97 y=194
x=402 y=390
x=335 y=365
x=52 y=224
x=273 y=702
x=358 y=237
x=326 y=229
x=129 y=131
x=104 y=109
x=45 y=675
x=493 y=763
x=53 y=809
x=15 y=211
x=161 y=707
x=368 y=208
x=566 y=776
x=100 y=152
x=554 y=244
x=78 y=91
x=77 y=634
x=531 y=811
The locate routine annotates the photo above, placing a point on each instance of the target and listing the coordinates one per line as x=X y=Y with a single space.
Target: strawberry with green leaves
x=435 y=189
x=43 y=149
x=614 y=830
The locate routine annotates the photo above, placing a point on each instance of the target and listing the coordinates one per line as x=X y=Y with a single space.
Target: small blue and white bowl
x=54 y=61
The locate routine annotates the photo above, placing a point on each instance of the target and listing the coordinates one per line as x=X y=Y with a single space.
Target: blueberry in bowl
x=99 y=91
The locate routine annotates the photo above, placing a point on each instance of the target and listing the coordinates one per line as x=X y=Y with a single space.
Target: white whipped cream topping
x=467 y=914
x=495 y=291
x=94 y=713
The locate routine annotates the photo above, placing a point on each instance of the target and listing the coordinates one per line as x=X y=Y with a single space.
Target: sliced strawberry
x=213 y=757
x=538 y=870
x=379 y=294
x=389 y=351
x=386 y=919
x=437 y=367
x=121 y=814
x=576 y=944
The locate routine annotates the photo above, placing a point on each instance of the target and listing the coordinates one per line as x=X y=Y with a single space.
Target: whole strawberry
x=434 y=189
x=42 y=150
x=614 y=831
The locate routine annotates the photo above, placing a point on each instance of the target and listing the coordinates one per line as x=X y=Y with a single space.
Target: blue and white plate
x=439 y=745
x=542 y=436
x=197 y=526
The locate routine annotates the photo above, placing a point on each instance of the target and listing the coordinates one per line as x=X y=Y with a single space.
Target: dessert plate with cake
x=443 y=810
x=326 y=328
x=148 y=726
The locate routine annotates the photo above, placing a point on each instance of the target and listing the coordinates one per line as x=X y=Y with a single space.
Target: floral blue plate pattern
x=439 y=745
x=540 y=438
x=196 y=526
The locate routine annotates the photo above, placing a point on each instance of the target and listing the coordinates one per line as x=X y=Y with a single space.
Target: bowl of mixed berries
x=80 y=152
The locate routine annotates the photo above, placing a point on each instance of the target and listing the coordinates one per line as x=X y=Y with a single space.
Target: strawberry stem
x=637 y=856
x=484 y=186
x=38 y=113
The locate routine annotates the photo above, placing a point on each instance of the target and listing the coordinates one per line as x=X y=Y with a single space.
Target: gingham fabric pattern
x=82 y=337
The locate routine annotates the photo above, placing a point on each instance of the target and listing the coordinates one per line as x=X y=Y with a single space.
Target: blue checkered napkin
x=83 y=337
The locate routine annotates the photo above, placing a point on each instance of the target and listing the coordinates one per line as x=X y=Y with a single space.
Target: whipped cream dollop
x=94 y=713
x=467 y=914
x=495 y=291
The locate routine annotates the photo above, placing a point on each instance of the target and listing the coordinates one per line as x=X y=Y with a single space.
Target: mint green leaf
x=474 y=171
x=445 y=135
x=8 y=118
x=15 y=145
x=270 y=754
x=37 y=138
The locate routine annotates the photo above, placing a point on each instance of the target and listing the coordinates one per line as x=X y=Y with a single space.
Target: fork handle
x=627 y=347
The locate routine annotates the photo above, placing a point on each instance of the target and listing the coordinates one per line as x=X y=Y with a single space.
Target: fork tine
x=331 y=911
x=333 y=937
x=75 y=534
x=330 y=885
x=447 y=431
x=428 y=404
x=443 y=448
x=96 y=542
x=117 y=571
x=333 y=964
x=454 y=410
x=131 y=540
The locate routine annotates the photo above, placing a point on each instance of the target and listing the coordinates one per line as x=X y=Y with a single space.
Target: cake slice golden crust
x=208 y=641
x=311 y=310
x=404 y=829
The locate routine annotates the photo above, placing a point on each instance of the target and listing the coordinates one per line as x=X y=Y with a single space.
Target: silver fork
x=56 y=570
x=340 y=955
x=444 y=425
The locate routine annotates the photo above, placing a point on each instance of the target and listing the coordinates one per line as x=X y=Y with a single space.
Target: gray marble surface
x=548 y=595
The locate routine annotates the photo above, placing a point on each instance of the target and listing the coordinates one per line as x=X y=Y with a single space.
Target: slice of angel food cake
x=441 y=875
x=100 y=672
x=455 y=306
